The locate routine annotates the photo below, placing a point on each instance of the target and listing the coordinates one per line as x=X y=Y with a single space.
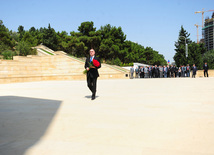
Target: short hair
x=92 y=50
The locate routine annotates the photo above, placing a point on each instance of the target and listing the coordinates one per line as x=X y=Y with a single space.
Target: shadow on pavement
x=23 y=121
x=89 y=96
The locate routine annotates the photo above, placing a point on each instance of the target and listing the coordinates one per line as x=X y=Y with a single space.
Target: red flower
x=96 y=63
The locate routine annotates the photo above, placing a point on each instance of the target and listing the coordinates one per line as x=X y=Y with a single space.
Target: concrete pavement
x=128 y=117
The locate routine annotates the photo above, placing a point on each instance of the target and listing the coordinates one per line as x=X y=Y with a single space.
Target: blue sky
x=154 y=23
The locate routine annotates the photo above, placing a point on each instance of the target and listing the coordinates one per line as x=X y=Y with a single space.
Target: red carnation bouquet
x=92 y=64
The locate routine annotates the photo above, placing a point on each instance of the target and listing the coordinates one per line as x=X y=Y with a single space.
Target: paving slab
x=128 y=117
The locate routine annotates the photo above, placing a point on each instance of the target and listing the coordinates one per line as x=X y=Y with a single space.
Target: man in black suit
x=172 y=71
x=156 y=71
x=175 y=71
x=168 y=71
x=188 y=70
x=92 y=73
x=194 y=70
x=205 y=67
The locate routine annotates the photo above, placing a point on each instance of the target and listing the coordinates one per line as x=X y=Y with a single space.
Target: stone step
x=57 y=67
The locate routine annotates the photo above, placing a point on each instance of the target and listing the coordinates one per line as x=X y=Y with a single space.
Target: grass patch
x=47 y=51
x=75 y=57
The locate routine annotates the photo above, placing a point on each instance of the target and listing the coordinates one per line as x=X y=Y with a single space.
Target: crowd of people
x=166 y=71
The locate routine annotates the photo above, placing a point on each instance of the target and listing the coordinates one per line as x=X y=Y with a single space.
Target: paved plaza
x=128 y=117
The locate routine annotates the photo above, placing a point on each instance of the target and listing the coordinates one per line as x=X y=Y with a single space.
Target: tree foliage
x=209 y=58
x=109 y=43
x=5 y=38
x=195 y=51
x=180 y=55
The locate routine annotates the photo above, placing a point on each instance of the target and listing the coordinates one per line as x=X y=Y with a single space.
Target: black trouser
x=193 y=75
x=92 y=84
x=150 y=74
x=136 y=75
x=183 y=74
x=168 y=74
x=156 y=75
x=205 y=72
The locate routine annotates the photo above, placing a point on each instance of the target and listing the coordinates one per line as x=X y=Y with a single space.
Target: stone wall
x=57 y=67
x=200 y=73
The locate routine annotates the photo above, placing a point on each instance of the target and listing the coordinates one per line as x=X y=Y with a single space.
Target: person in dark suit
x=194 y=70
x=183 y=71
x=165 y=69
x=92 y=73
x=168 y=71
x=172 y=71
x=175 y=71
x=188 y=70
x=142 y=72
x=150 y=71
x=205 y=67
x=153 y=71
x=156 y=71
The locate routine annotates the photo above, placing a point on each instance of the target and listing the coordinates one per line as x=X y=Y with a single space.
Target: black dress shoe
x=93 y=97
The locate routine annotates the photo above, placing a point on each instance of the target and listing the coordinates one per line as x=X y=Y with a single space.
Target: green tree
x=180 y=55
x=62 y=41
x=5 y=38
x=21 y=32
x=29 y=39
x=195 y=52
x=86 y=27
x=3 y=47
x=23 y=49
x=89 y=36
x=209 y=58
x=109 y=43
x=112 y=40
x=49 y=37
x=8 y=54
x=15 y=36
x=75 y=47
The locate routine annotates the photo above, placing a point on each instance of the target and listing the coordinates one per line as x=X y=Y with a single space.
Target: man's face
x=92 y=53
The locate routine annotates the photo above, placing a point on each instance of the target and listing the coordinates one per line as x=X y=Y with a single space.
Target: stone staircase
x=50 y=67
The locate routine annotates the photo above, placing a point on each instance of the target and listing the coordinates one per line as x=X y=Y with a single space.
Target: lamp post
x=185 y=45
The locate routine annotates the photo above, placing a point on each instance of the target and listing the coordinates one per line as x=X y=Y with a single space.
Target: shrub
x=8 y=54
x=117 y=62
x=209 y=58
x=24 y=49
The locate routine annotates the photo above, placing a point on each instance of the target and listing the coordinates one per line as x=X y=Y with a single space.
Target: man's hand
x=87 y=69
x=92 y=67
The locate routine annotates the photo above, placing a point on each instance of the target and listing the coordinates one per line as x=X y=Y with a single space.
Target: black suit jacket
x=194 y=70
x=205 y=67
x=93 y=72
x=156 y=70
